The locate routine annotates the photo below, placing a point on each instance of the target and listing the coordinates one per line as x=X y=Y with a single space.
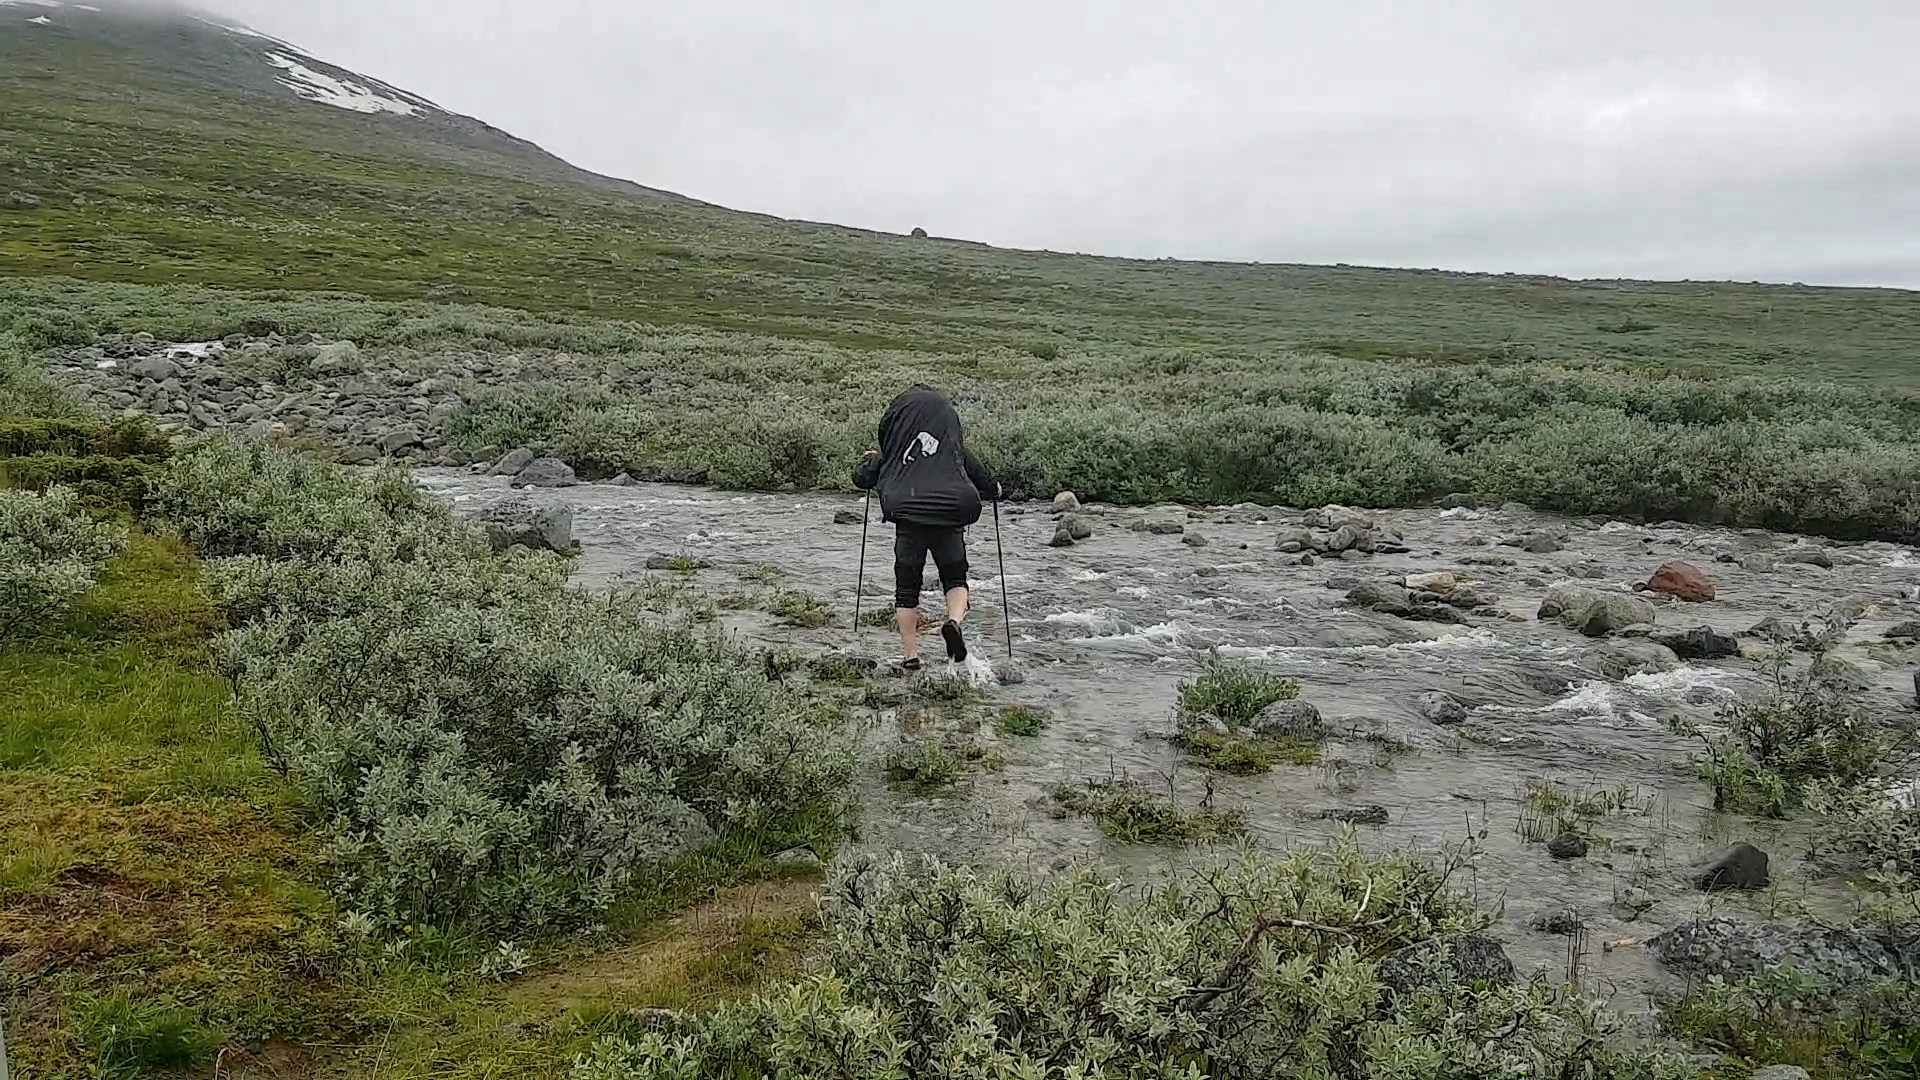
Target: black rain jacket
x=924 y=472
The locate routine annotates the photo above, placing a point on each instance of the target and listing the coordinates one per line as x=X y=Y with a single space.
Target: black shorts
x=911 y=545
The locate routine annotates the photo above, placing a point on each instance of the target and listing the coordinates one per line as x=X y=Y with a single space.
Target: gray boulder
x=338 y=358
x=1808 y=556
x=1699 y=643
x=846 y=517
x=1162 y=528
x=1062 y=537
x=1440 y=708
x=516 y=521
x=1758 y=562
x=1471 y=958
x=1742 y=867
x=1290 y=719
x=1596 y=612
x=1076 y=527
x=513 y=461
x=154 y=369
x=1906 y=631
x=1066 y=503
x=546 y=472
x=1195 y=540
x=1568 y=846
x=1339 y=517
x=1626 y=657
x=1842 y=957
x=622 y=480
x=1295 y=542
x=402 y=438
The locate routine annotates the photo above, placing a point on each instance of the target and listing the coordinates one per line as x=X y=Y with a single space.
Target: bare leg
x=909 y=620
x=958 y=602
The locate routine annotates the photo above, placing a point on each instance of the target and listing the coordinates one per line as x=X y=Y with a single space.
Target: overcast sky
x=1776 y=140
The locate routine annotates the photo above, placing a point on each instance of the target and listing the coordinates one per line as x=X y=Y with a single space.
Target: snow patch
x=327 y=90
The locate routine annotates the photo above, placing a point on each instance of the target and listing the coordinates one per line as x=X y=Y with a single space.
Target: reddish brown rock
x=1683 y=580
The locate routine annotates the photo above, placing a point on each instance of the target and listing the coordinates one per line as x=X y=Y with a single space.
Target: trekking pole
x=1006 y=612
x=866 y=512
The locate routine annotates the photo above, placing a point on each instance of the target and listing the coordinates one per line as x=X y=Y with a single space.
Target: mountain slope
x=160 y=145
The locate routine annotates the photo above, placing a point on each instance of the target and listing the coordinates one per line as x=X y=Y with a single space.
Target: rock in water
x=1596 y=612
x=1758 y=562
x=1165 y=528
x=513 y=461
x=1440 y=708
x=1906 y=631
x=1379 y=596
x=1568 y=846
x=1809 y=556
x=516 y=521
x=1625 y=658
x=1066 y=503
x=1439 y=583
x=1009 y=672
x=1741 y=866
x=623 y=480
x=1062 y=537
x=1473 y=959
x=1291 y=719
x=1195 y=540
x=1077 y=527
x=1842 y=958
x=1699 y=643
x=1682 y=580
x=1561 y=923
x=1355 y=815
x=1296 y=542
x=545 y=472
x=848 y=517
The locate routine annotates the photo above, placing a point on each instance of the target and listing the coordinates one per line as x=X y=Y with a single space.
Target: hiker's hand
x=871 y=452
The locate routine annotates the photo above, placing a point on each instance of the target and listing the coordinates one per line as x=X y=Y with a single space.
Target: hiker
x=931 y=487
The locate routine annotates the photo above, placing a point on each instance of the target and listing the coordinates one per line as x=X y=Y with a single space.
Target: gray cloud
x=1759 y=139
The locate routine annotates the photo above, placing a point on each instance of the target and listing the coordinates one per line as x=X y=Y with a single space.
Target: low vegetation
x=1767 y=753
x=1259 y=967
x=50 y=554
x=1130 y=812
x=1021 y=721
x=1783 y=1017
x=1232 y=693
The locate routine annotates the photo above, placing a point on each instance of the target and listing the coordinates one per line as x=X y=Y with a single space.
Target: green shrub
x=1232 y=692
x=924 y=766
x=51 y=551
x=1261 y=967
x=1783 y=1017
x=1769 y=752
x=488 y=747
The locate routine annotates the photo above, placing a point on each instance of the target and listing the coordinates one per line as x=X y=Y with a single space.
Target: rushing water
x=1107 y=629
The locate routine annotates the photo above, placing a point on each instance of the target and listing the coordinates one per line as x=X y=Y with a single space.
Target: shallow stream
x=1107 y=629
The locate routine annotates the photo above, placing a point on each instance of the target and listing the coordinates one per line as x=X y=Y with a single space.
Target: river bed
x=1106 y=630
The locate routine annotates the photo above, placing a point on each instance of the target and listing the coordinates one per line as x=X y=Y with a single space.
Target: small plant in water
x=1232 y=692
x=1770 y=752
x=836 y=669
x=1019 y=720
x=1241 y=755
x=1128 y=811
x=930 y=766
x=801 y=609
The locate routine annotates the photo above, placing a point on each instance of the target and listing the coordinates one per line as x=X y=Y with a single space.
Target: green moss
x=1243 y=755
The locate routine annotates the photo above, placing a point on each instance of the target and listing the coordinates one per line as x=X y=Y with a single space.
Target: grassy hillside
x=149 y=165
